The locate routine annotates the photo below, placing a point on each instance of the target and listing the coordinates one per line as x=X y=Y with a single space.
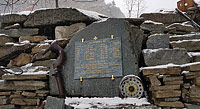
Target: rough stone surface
x=4 y=39
x=22 y=85
x=182 y=27
x=165 y=56
x=173 y=82
x=196 y=81
x=185 y=37
x=39 y=47
x=7 y=106
x=28 y=94
x=57 y=16
x=46 y=63
x=194 y=92
x=25 y=101
x=40 y=56
x=10 y=52
x=153 y=26
x=170 y=104
x=21 y=60
x=191 y=106
x=55 y=103
x=158 y=41
x=173 y=70
x=166 y=18
x=25 y=77
x=68 y=31
x=189 y=45
x=173 y=78
x=20 y=32
x=130 y=38
x=34 y=39
x=192 y=66
x=165 y=87
x=12 y=19
x=167 y=94
x=3 y=100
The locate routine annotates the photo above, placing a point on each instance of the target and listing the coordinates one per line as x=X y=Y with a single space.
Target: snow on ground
x=104 y=102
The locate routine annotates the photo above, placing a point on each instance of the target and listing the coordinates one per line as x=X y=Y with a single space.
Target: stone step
x=185 y=37
x=189 y=45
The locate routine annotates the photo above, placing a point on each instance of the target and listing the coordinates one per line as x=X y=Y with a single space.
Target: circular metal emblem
x=131 y=86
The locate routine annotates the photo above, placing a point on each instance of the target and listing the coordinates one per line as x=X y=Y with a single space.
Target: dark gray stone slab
x=131 y=40
x=158 y=41
x=191 y=106
x=12 y=19
x=55 y=103
x=153 y=57
x=59 y=16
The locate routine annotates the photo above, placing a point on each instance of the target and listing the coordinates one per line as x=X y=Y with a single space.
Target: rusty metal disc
x=131 y=86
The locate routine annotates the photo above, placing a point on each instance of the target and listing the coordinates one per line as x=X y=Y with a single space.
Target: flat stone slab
x=12 y=19
x=191 y=66
x=170 y=104
x=153 y=57
x=185 y=37
x=55 y=103
x=25 y=77
x=60 y=16
x=20 y=32
x=157 y=41
x=189 y=45
x=166 y=18
x=131 y=41
x=163 y=69
x=167 y=94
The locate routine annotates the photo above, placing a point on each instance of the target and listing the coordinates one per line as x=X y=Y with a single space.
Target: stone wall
x=169 y=56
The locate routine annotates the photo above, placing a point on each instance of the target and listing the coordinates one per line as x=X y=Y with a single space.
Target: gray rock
x=59 y=16
x=7 y=106
x=185 y=37
x=189 y=45
x=20 y=32
x=103 y=87
x=40 y=56
x=158 y=41
x=12 y=19
x=153 y=57
x=178 y=27
x=55 y=103
x=166 y=18
x=191 y=106
x=153 y=26
x=4 y=39
x=68 y=31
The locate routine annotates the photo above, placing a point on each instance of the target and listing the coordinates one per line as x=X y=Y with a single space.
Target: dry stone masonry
x=163 y=45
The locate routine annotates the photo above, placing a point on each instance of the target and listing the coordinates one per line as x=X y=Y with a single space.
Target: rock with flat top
x=25 y=101
x=177 y=104
x=167 y=94
x=55 y=103
x=5 y=39
x=153 y=57
x=153 y=26
x=9 y=19
x=189 y=45
x=182 y=27
x=34 y=39
x=59 y=16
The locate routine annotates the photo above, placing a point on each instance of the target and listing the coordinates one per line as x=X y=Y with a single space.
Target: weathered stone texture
x=131 y=44
x=189 y=45
x=5 y=39
x=25 y=101
x=20 y=32
x=157 y=41
x=12 y=19
x=166 y=18
x=21 y=60
x=34 y=39
x=55 y=103
x=153 y=26
x=57 y=16
x=68 y=31
x=165 y=56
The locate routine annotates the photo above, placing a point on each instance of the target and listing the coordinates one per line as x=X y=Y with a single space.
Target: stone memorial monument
x=99 y=56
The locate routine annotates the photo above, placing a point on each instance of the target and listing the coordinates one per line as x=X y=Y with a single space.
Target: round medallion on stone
x=131 y=86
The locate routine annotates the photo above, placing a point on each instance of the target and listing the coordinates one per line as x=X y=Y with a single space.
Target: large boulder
x=68 y=31
x=102 y=86
x=166 y=18
x=153 y=57
x=60 y=16
x=158 y=41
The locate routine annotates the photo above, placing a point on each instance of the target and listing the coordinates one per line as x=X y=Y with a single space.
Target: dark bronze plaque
x=98 y=58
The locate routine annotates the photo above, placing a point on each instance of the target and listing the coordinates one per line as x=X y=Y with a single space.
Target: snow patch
x=181 y=41
x=103 y=102
x=152 y=22
x=148 y=51
x=162 y=66
x=91 y=14
x=194 y=53
x=3 y=35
